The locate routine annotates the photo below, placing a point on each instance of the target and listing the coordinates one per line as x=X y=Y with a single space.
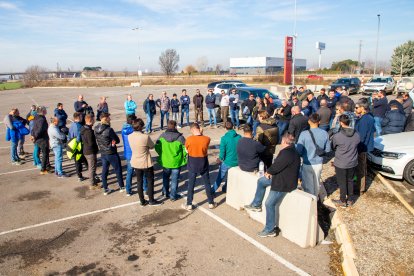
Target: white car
x=405 y=84
x=227 y=87
x=378 y=83
x=393 y=156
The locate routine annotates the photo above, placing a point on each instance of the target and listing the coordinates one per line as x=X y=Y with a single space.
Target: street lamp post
x=139 y=57
x=376 y=51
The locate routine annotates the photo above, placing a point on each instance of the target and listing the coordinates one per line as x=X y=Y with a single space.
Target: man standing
x=249 y=104
x=313 y=103
x=322 y=95
x=175 y=107
x=57 y=140
x=150 y=111
x=298 y=123
x=90 y=149
x=107 y=140
x=165 y=105
x=61 y=115
x=197 y=148
x=224 y=106
x=198 y=100
x=393 y=121
x=126 y=131
x=365 y=126
x=74 y=132
x=309 y=143
x=234 y=108
x=102 y=107
x=129 y=106
x=228 y=155
x=172 y=155
x=282 y=176
x=249 y=151
x=40 y=137
x=211 y=104
x=185 y=107
x=267 y=135
x=81 y=106
x=407 y=104
x=325 y=115
x=380 y=103
x=345 y=144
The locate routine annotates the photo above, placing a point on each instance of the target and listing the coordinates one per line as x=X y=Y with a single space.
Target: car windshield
x=240 y=85
x=341 y=81
x=382 y=80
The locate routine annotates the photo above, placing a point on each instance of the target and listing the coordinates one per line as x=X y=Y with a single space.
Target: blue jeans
x=220 y=176
x=36 y=159
x=173 y=175
x=113 y=160
x=13 y=152
x=272 y=210
x=282 y=127
x=167 y=115
x=234 y=115
x=249 y=120
x=148 y=126
x=256 y=123
x=58 y=151
x=212 y=113
x=262 y=184
x=128 y=180
x=185 y=110
x=378 y=128
x=205 y=177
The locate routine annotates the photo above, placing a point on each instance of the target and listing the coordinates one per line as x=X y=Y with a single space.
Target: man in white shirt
x=224 y=106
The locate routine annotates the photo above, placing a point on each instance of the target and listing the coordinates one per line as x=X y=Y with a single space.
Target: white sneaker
x=212 y=206
x=187 y=207
x=178 y=127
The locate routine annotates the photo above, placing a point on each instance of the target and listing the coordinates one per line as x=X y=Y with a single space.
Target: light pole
x=139 y=57
x=295 y=35
x=376 y=51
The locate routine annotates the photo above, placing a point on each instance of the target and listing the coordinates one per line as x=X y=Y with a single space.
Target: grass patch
x=10 y=85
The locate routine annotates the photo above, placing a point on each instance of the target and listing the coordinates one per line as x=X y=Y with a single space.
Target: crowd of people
x=303 y=133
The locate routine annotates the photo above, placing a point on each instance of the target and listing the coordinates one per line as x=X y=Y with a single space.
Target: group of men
x=306 y=128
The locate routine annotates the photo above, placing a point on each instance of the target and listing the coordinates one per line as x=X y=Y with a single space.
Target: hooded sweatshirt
x=127 y=130
x=228 y=148
x=171 y=150
x=345 y=143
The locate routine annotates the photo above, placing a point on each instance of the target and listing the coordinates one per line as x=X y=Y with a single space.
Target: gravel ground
x=381 y=228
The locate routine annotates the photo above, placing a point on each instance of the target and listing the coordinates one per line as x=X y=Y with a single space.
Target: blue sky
x=98 y=33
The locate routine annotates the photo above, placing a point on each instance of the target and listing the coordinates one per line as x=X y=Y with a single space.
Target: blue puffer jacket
x=17 y=133
x=127 y=130
x=393 y=122
x=210 y=100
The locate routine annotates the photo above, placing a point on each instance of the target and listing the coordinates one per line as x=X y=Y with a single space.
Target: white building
x=261 y=65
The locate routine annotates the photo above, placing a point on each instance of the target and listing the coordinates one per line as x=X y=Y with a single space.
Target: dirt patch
x=181 y=261
x=84 y=192
x=34 y=196
x=164 y=217
x=76 y=270
x=152 y=240
x=335 y=256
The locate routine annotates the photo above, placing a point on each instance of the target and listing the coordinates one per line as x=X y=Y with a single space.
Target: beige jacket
x=140 y=144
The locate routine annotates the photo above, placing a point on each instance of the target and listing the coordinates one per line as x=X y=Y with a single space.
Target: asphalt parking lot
x=53 y=226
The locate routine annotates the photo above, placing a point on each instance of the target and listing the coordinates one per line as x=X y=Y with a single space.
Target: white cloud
x=7 y=6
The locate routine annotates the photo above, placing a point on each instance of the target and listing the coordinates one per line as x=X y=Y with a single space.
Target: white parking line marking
x=26 y=170
x=67 y=218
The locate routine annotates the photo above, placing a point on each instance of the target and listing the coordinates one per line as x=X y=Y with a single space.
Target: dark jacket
x=365 y=126
x=250 y=104
x=210 y=100
x=297 y=124
x=380 y=107
x=185 y=102
x=408 y=106
x=285 y=170
x=409 y=124
x=78 y=106
x=150 y=107
x=393 y=122
x=325 y=115
x=89 y=140
x=40 y=126
x=62 y=117
x=286 y=114
x=345 y=144
x=313 y=106
x=248 y=154
x=398 y=104
x=270 y=108
x=322 y=97
x=104 y=137
x=331 y=103
x=175 y=105
x=198 y=101
x=267 y=134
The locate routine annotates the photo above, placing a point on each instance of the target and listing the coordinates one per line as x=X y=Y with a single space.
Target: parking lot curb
x=392 y=190
x=343 y=238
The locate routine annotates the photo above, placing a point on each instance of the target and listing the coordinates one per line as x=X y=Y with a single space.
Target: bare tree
x=201 y=64
x=218 y=69
x=34 y=75
x=189 y=69
x=168 y=61
x=125 y=72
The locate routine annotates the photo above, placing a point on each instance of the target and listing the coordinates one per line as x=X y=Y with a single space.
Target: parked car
x=393 y=156
x=405 y=85
x=352 y=85
x=315 y=77
x=213 y=84
x=378 y=83
x=227 y=87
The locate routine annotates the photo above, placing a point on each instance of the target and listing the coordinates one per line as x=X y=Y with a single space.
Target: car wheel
x=409 y=172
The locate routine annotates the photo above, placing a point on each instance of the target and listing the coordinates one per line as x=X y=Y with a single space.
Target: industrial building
x=261 y=65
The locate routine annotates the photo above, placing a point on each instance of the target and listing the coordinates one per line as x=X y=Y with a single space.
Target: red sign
x=287 y=64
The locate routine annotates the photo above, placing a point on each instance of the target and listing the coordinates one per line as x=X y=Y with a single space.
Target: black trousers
x=44 y=149
x=78 y=165
x=149 y=174
x=345 y=180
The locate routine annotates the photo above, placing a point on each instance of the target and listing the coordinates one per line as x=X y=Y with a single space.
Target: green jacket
x=171 y=150
x=228 y=148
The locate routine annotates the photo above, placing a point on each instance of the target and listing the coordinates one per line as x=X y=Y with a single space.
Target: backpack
x=319 y=151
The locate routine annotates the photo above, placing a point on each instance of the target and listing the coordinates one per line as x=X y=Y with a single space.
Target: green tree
x=404 y=53
x=345 y=66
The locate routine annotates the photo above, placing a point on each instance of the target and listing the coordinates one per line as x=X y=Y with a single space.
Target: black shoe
x=155 y=203
x=253 y=208
x=339 y=203
x=143 y=203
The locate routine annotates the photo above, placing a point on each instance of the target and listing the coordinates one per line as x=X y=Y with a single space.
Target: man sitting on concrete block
x=282 y=176
x=249 y=151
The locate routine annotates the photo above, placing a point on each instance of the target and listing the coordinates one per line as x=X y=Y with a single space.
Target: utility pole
x=139 y=58
x=359 y=53
x=376 y=51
